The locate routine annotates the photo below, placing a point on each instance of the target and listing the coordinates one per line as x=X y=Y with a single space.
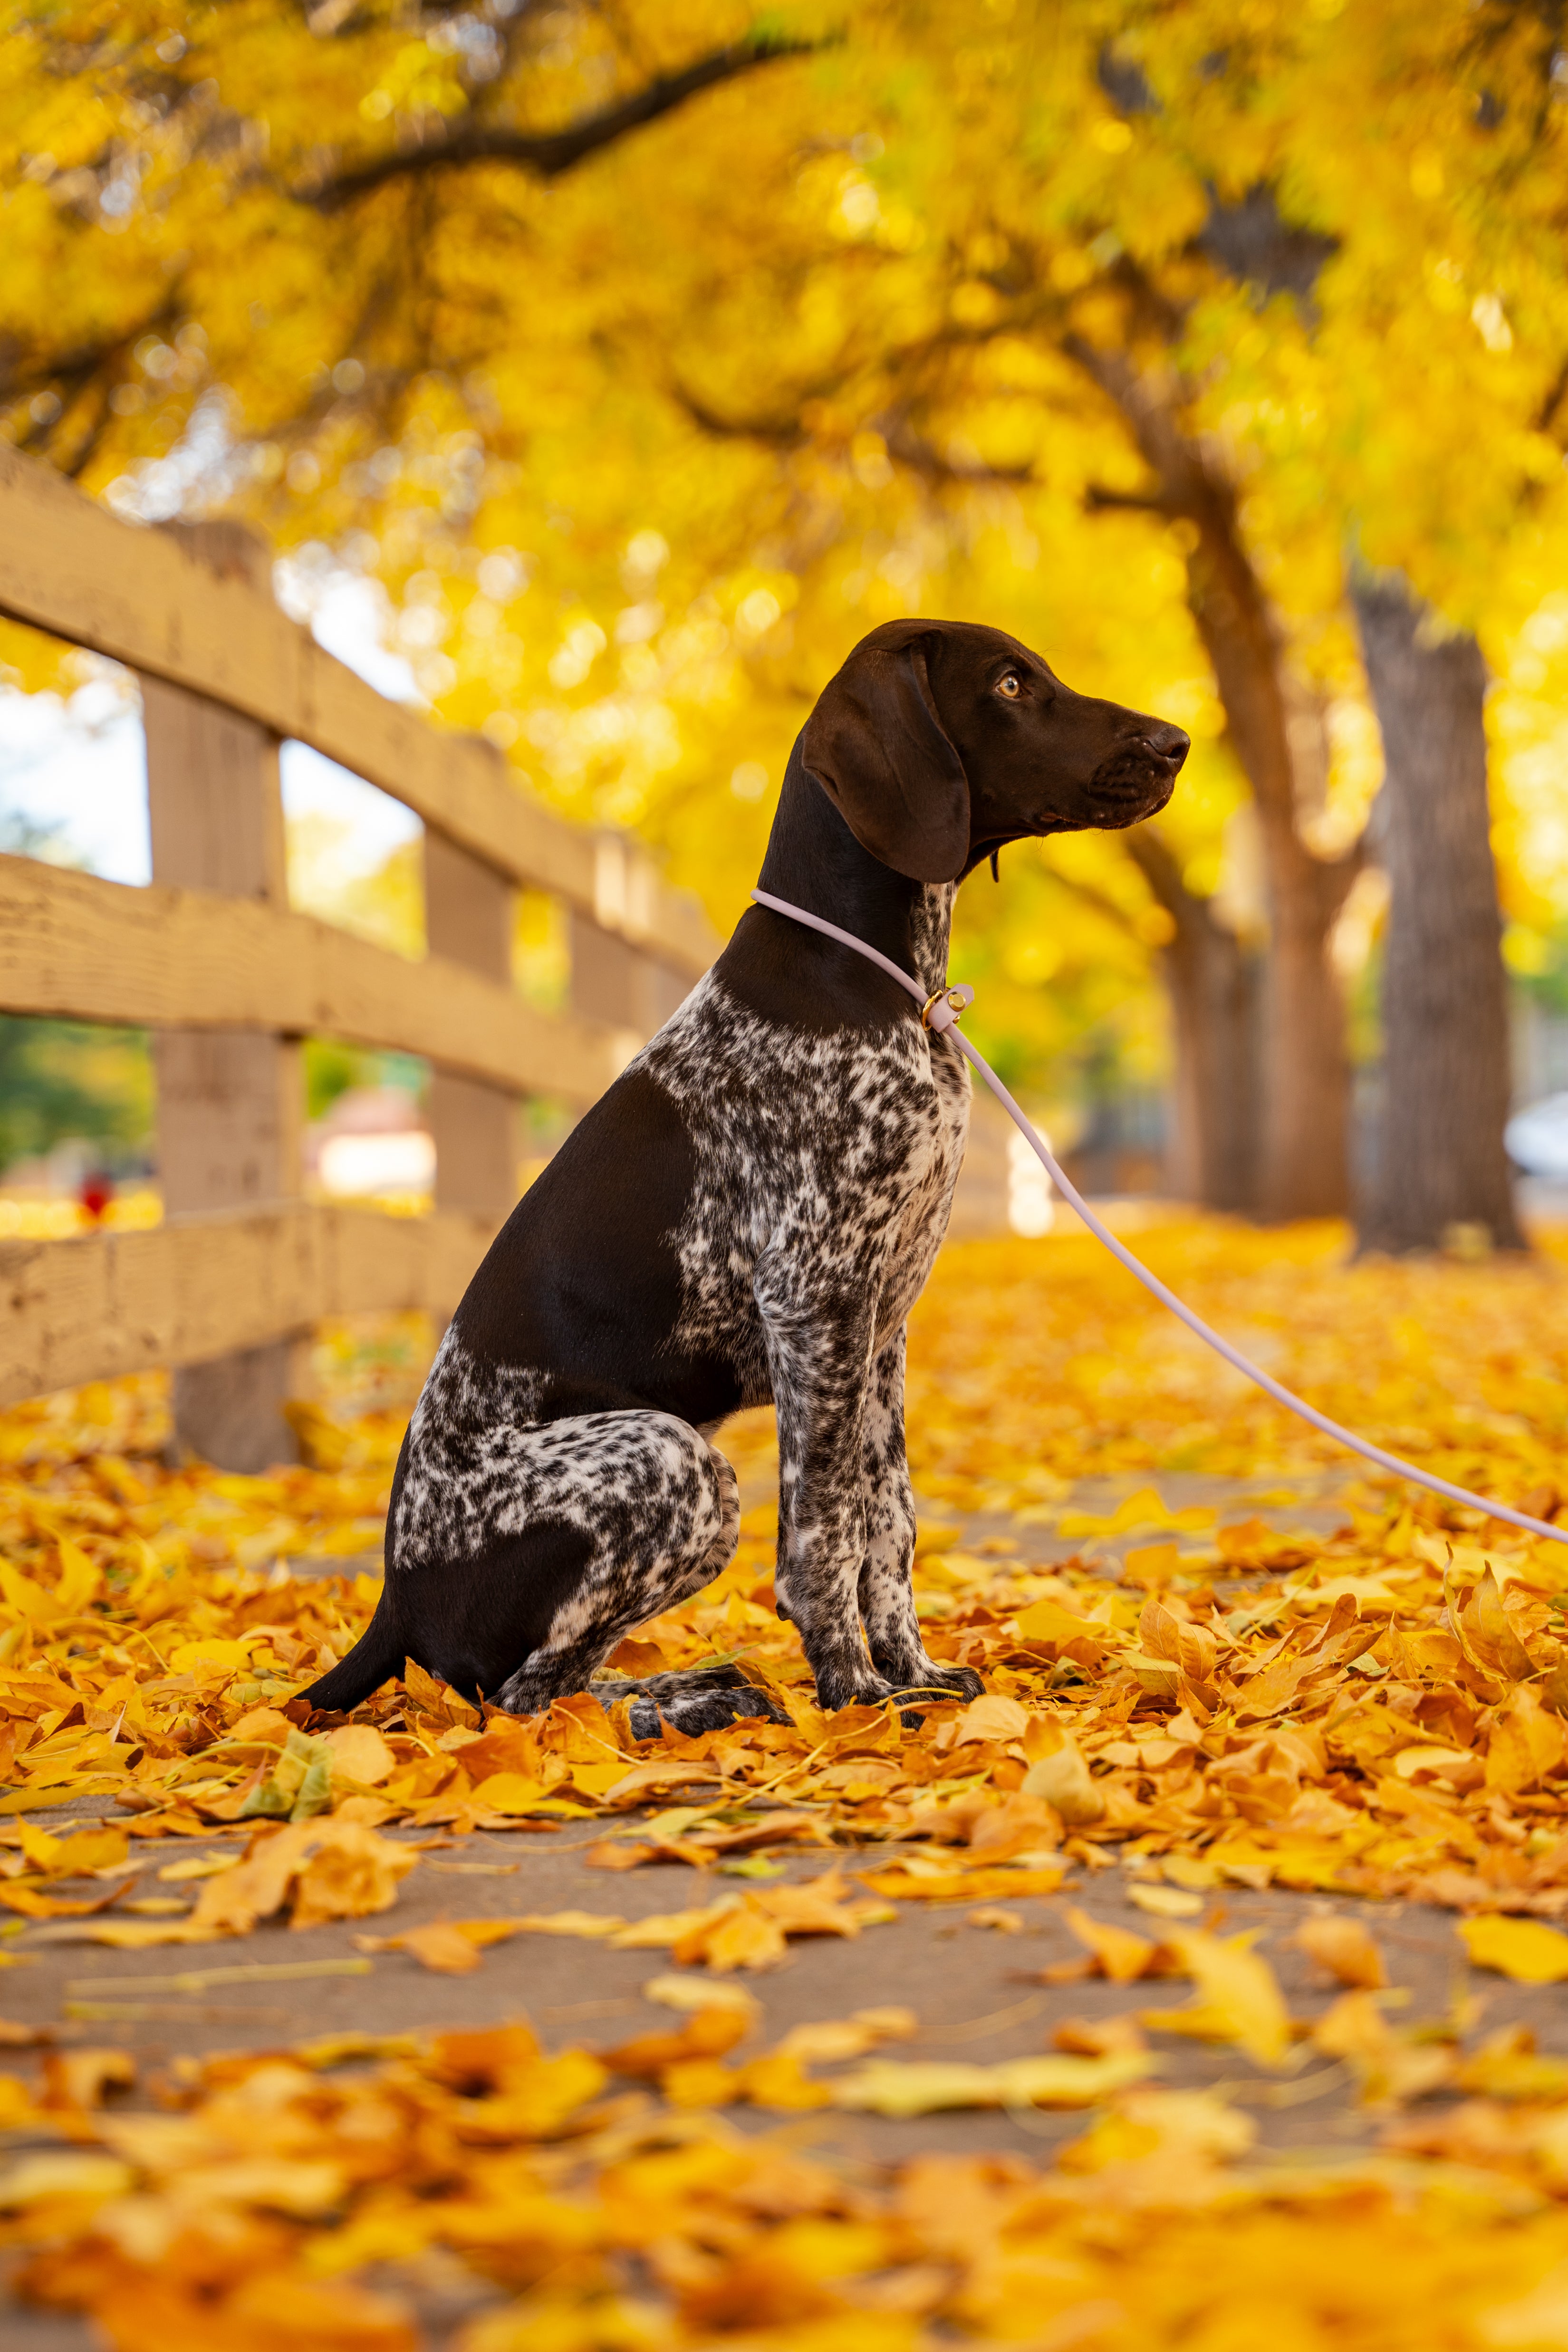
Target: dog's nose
x=1169 y=743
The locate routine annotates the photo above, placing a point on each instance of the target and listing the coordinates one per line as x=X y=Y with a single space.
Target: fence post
x=468 y=916
x=230 y=1103
x=611 y=979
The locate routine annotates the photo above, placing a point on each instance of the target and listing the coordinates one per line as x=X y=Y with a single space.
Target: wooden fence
x=211 y=958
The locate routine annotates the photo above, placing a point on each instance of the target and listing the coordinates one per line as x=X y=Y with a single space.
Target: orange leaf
x=1122 y=1956
x=1344 y=1947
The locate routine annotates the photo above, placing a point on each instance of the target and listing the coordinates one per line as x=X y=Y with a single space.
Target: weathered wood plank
x=230 y=1101
x=468 y=918
x=144 y=598
x=79 y=948
x=201 y=1286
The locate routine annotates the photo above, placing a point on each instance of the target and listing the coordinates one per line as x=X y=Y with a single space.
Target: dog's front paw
x=923 y=1677
x=962 y=1681
x=848 y=1689
x=907 y=1696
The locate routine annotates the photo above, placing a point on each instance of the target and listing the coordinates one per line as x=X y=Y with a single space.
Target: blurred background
x=598 y=374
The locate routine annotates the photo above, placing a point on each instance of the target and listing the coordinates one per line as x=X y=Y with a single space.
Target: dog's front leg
x=886 y=1586
x=819 y=1355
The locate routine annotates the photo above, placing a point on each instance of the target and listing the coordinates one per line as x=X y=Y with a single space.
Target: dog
x=746 y=1217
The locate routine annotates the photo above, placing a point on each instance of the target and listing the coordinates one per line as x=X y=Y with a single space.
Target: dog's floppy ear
x=879 y=752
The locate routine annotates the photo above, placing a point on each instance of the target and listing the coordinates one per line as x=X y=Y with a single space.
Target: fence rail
x=230 y=979
x=75 y=948
x=149 y=600
x=201 y=1287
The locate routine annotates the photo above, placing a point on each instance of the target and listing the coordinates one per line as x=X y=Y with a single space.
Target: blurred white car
x=1537 y=1138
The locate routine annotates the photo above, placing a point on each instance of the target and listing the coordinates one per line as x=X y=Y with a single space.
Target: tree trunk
x=1304 y=1142
x=1213 y=980
x=1302 y=1160
x=1303 y=1167
x=1445 y=1003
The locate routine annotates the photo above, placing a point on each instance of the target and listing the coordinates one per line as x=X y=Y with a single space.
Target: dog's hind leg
x=657 y=1514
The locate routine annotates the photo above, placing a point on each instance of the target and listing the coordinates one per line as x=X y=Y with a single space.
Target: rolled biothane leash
x=940 y=1013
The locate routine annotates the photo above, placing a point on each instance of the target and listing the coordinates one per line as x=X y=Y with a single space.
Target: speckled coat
x=822 y=1174
x=746 y=1217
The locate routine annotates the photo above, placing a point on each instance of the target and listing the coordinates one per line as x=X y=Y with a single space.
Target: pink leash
x=941 y=1012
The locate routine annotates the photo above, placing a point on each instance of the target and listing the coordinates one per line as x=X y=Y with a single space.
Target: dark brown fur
x=746 y=1217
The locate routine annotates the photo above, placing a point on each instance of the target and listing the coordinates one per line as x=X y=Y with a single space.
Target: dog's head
x=939 y=741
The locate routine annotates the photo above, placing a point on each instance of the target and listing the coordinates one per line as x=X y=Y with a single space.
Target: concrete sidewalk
x=969 y=1985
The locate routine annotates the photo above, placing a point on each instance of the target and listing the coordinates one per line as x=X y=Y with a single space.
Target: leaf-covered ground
x=1373 y=1710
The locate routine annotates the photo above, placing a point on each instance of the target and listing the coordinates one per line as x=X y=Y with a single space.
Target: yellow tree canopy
x=649 y=361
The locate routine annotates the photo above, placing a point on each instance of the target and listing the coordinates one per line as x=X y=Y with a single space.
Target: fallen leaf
x=1525 y=1949
x=441 y=1946
x=1527 y=1742
x=1345 y=1948
x=1165 y=1901
x=1239 y=1997
x=1098 y=2037
x=72 y=1857
x=1117 y=1952
x=907 y=1880
x=50 y=2178
x=1063 y=1781
x=592 y=1925
x=1390 y=2065
x=660 y=1772
x=893 y=2087
x=198 y=1865
x=991 y=1717
x=709 y=2032
x=34 y=1904
x=689 y=1994
x=360 y=1753
x=348 y=1873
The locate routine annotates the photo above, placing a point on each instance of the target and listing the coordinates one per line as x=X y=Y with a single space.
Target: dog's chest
x=944 y=1117
x=838 y=1154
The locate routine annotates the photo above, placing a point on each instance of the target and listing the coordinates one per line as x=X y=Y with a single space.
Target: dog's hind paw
x=694 y=1711
x=706 y=1699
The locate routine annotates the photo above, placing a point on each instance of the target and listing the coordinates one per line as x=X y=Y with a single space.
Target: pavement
x=975 y=1988
x=969 y=1985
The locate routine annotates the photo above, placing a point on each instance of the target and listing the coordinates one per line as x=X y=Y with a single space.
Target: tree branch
x=1224 y=592
x=1100 y=901
x=905 y=445
x=1100 y=500
x=547 y=153
x=1554 y=400
x=1161 y=869
x=912 y=449
x=773 y=432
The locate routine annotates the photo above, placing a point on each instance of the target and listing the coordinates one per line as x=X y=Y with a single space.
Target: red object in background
x=96 y=1193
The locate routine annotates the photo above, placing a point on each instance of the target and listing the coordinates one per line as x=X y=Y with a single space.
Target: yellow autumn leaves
x=565 y=2208
x=1036 y=1364
x=1374 y=1710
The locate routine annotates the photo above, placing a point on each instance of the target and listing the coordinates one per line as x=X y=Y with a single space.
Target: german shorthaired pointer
x=745 y=1218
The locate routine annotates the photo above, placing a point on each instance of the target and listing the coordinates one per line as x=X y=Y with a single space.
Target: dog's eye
x=1010 y=686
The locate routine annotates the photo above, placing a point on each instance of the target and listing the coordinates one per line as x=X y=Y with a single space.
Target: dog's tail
x=377 y=1656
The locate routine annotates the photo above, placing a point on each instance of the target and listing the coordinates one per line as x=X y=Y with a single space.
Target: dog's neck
x=814 y=861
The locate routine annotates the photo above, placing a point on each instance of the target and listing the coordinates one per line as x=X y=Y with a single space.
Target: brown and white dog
x=745 y=1218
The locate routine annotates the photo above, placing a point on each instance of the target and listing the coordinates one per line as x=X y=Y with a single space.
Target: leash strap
x=941 y=1012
